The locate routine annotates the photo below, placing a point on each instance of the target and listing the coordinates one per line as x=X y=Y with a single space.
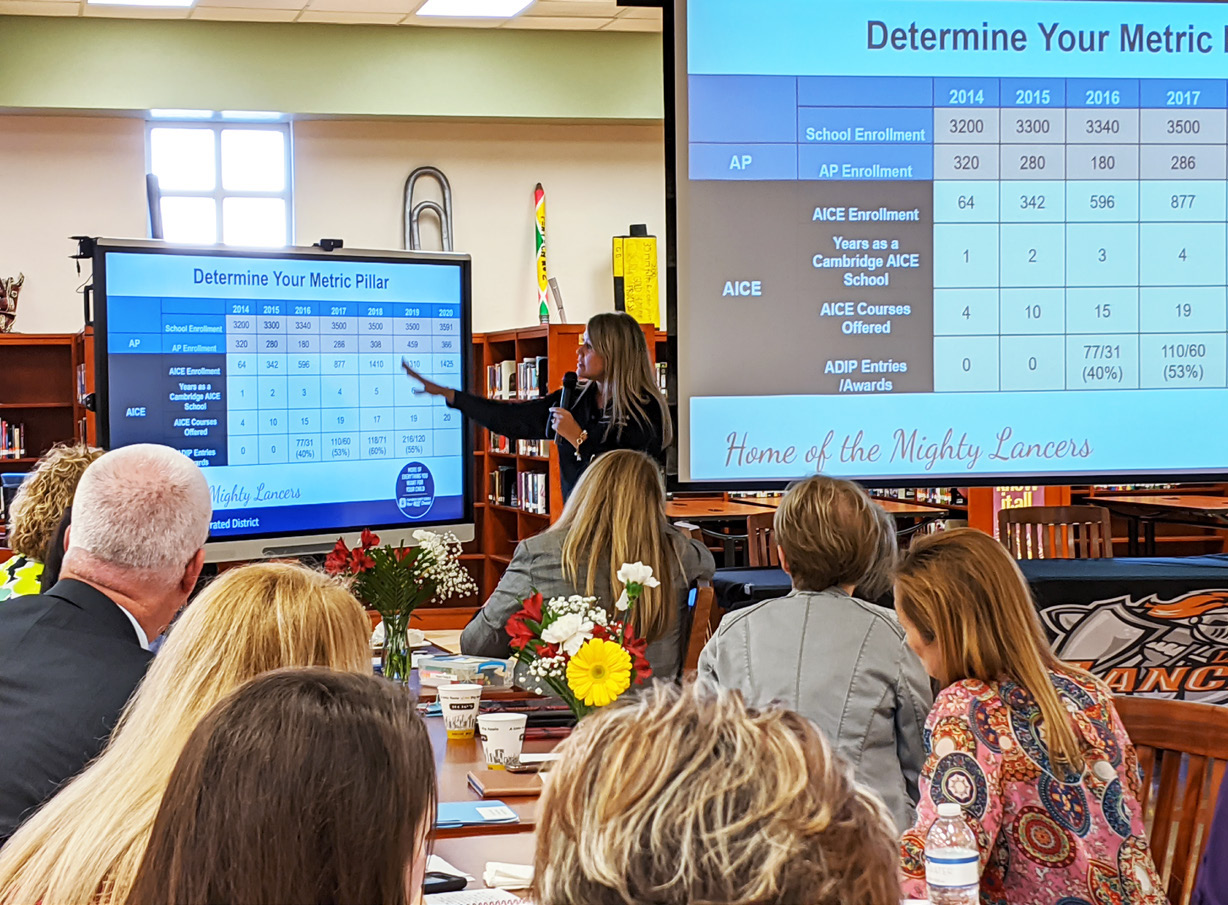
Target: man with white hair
x=70 y=658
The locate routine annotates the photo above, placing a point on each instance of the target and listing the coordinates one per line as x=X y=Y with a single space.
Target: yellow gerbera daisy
x=599 y=672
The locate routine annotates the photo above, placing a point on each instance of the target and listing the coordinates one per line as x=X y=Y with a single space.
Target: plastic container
x=442 y=669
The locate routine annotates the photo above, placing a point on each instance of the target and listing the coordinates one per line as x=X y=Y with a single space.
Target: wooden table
x=713 y=510
x=454 y=758
x=1145 y=510
x=470 y=854
x=894 y=507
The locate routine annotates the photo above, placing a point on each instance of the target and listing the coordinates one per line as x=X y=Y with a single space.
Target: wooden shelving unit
x=498 y=529
x=38 y=389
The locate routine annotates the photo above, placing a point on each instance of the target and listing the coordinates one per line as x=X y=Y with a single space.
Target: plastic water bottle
x=952 y=864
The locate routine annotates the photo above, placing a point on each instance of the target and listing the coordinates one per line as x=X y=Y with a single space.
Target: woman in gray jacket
x=839 y=661
x=615 y=515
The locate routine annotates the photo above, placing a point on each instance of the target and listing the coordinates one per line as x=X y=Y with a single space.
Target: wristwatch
x=580 y=442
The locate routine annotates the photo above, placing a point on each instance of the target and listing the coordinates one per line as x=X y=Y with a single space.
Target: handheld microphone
x=565 y=400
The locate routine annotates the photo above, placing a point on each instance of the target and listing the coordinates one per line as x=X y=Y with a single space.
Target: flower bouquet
x=394 y=581
x=577 y=650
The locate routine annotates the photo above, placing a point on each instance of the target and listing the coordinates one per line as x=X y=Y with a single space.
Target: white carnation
x=637 y=573
x=569 y=631
x=623 y=603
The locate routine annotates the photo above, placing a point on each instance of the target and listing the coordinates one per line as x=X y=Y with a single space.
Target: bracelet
x=580 y=442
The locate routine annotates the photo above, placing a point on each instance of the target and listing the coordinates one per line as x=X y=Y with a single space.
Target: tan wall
x=61 y=176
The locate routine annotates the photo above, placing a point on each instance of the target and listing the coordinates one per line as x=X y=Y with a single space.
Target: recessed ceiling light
x=488 y=9
x=179 y=114
x=169 y=4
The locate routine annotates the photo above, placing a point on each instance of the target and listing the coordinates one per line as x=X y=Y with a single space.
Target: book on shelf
x=503 y=487
x=81 y=383
x=663 y=376
x=539 y=448
x=12 y=440
x=510 y=379
x=534 y=492
x=500 y=444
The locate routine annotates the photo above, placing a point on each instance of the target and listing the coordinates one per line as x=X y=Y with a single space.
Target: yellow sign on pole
x=635 y=278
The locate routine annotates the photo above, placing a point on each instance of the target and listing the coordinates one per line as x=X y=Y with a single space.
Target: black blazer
x=69 y=660
x=528 y=421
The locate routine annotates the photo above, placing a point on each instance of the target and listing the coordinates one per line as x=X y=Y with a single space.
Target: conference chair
x=760 y=543
x=705 y=617
x=1182 y=751
x=1056 y=532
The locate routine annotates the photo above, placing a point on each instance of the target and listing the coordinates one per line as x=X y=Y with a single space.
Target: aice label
x=953 y=867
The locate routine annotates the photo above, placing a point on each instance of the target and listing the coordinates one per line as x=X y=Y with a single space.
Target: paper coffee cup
x=459 y=704
x=502 y=738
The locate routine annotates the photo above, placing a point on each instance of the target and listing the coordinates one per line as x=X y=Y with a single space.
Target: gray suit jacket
x=843 y=664
x=538 y=565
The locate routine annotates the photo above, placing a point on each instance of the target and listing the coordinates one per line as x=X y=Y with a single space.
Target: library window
x=222 y=182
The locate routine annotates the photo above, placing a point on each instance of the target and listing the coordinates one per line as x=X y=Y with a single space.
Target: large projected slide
x=951 y=239
x=281 y=376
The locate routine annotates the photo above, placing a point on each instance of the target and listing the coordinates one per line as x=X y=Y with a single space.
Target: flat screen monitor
x=280 y=374
x=949 y=241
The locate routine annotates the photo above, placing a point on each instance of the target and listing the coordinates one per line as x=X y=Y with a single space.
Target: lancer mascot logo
x=1163 y=648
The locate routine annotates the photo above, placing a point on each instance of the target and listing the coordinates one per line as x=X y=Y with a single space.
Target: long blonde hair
x=44 y=495
x=963 y=591
x=685 y=795
x=631 y=380
x=616 y=515
x=86 y=843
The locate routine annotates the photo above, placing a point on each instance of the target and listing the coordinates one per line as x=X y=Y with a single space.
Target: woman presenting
x=618 y=407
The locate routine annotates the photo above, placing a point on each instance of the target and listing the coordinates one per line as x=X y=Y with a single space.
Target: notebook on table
x=451 y=814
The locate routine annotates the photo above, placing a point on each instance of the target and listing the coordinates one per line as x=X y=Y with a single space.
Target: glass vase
x=397 y=659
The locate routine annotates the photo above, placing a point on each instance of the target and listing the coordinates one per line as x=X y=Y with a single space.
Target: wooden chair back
x=705 y=617
x=693 y=531
x=1056 y=532
x=760 y=542
x=1182 y=751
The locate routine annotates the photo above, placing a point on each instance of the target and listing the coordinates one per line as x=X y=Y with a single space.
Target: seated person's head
x=878 y=581
x=248 y=621
x=304 y=786
x=616 y=515
x=44 y=495
x=685 y=795
x=140 y=519
x=966 y=608
x=967 y=612
x=828 y=533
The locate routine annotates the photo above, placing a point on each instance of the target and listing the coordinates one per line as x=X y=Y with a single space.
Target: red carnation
x=517 y=626
x=369 y=539
x=638 y=649
x=338 y=560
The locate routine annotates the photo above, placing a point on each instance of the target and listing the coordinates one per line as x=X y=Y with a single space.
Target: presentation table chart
x=260 y=382
x=1072 y=232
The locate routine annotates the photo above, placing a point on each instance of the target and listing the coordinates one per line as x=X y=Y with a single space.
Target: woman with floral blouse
x=1031 y=748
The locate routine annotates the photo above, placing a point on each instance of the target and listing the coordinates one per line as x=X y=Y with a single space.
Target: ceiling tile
x=450 y=22
x=634 y=25
x=234 y=14
x=295 y=5
x=38 y=8
x=570 y=8
x=134 y=12
x=349 y=18
x=401 y=7
x=641 y=12
x=576 y=23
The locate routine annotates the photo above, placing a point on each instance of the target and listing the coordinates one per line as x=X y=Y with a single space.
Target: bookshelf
x=499 y=527
x=38 y=392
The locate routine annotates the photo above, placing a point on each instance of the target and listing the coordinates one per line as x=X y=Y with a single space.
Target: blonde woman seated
x=835 y=659
x=1031 y=748
x=85 y=844
x=685 y=795
x=37 y=509
x=616 y=515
